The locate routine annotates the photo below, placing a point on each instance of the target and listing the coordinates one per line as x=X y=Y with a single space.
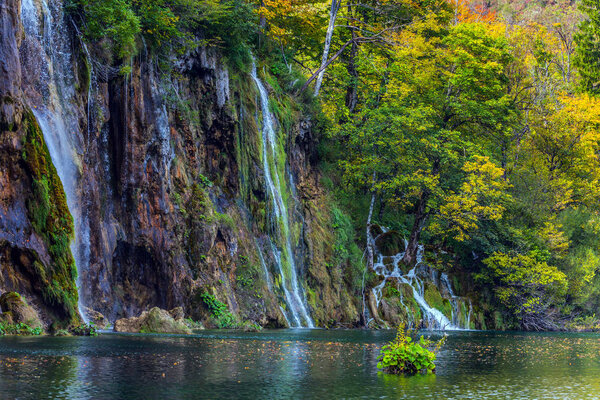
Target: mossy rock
x=17 y=309
x=480 y=318
x=50 y=218
x=375 y=230
x=399 y=305
x=390 y=243
x=434 y=299
x=154 y=321
x=390 y=312
x=7 y=318
x=161 y=321
x=499 y=321
x=97 y=318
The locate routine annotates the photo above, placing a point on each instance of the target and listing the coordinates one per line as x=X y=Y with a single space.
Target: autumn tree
x=418 y=139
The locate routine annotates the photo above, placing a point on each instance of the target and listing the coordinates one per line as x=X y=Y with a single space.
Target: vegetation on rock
x=19 y=329
x=85 y=330
x=52 y=221
x=155 y=320
x=17 y=312
x=404 y=356
x=221 y=315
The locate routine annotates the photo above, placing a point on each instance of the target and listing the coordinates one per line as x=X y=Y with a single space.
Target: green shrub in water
x=403 y=356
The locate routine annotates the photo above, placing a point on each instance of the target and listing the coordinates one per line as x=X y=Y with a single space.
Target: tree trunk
x=368 y=234
x=351 y=91
x=410 y=255
x=335 y=6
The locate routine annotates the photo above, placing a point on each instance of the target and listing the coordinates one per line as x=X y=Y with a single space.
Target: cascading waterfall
x=297 y=314
x=52 y=102
x=389 y=267
x=455 y=301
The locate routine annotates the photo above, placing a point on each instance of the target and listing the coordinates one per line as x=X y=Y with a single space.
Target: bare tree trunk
x=262 y=23
x=369 y=238
x=335 y=6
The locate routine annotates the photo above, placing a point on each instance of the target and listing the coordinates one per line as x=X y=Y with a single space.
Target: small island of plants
x=405 y=356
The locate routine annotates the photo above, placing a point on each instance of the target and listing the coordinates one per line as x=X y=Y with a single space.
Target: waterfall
x=389 y=267
x=47 y=52
x=456 y=302
x=281 y=244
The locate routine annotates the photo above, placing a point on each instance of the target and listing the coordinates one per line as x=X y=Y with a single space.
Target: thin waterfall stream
x=281 y=244
x=48 y=49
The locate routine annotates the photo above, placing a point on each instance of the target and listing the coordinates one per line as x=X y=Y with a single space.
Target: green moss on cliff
x=52 y=221
x=434 y=299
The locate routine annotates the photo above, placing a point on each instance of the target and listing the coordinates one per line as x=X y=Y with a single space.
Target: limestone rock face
x=17 y=310
x=171 y=185
x=154 y=321
x=97 y=318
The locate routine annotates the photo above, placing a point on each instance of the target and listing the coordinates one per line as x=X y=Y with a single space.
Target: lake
x=298 y=364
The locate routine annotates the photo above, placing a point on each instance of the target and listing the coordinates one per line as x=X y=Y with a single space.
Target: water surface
x=295 y=364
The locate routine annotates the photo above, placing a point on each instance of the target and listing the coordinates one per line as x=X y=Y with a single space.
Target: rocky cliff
x=147 y=188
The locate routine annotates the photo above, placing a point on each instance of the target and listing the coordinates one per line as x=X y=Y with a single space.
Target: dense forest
x=267 y=163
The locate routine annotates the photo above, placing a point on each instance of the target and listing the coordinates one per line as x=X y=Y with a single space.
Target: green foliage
x=585 y=323
x=587 y=55
x=167 y=26
x=526 y=286
x=85 y=330
x=225 y=220
x=222 y=317
x=112 y=21
x=417 y=142
x=403 y=356
x=19 y=329
x=247 y=274
x=204 y=182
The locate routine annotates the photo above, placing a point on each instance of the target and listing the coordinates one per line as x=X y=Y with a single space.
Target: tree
x=587 y=55
x=419 y=138
x=528 y=287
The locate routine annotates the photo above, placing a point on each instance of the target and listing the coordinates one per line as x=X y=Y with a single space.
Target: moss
x=197 y=210
x=52 y=221
x=499 y=321
x=225 y=220
x=434 y=299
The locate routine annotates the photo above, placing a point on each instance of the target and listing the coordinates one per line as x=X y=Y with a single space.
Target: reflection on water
x=295 y=364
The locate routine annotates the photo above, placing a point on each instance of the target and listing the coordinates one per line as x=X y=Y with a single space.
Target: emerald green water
x=295 y=364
